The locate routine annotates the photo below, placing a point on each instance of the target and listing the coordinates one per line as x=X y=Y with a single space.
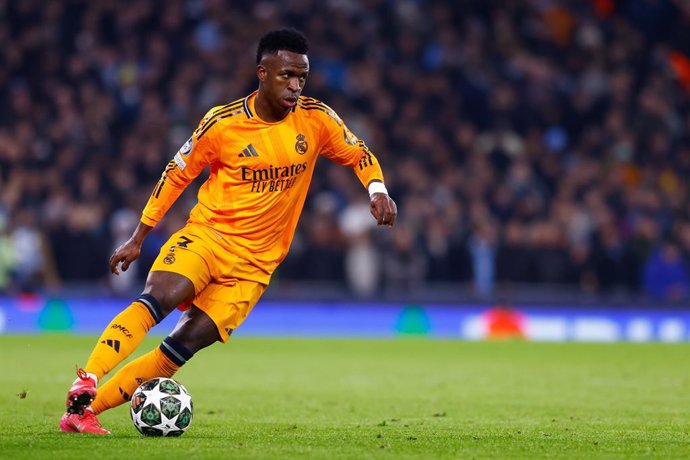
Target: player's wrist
x=140 y=232
x=377 y=187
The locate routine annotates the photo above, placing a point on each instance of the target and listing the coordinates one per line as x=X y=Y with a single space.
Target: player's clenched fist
x=383 y=209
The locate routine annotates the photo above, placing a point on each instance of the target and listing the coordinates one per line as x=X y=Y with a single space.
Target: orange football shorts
x=226 y=286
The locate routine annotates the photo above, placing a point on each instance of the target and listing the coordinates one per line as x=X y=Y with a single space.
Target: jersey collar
x=248 y=106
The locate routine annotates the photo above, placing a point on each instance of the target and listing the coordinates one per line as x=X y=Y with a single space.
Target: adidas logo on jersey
x=249 y=151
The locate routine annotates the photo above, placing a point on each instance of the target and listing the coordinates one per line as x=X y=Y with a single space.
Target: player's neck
x=266 y=112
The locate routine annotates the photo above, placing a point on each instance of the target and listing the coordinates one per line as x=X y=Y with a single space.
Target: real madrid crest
x=170 y=258
x=301 y=145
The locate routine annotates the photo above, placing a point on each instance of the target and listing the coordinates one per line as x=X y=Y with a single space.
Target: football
x=161 y=407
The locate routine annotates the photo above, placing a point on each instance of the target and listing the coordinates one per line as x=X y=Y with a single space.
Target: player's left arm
x=344 y=148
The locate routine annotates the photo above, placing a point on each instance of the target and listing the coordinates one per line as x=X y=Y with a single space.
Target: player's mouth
x=290 y=101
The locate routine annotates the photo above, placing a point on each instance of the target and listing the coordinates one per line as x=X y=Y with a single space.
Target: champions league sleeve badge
x=187 y=147
x=184 y=151
x=349 y=136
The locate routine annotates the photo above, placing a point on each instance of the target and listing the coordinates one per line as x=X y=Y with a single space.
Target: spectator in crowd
x=482 y=249
x=7 y=256
x=666 y=275
x=404 y=264
x=362 y=264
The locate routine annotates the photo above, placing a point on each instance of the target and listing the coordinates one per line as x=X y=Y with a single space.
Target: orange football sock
x=163 y=361
x=120 y=387
x=123 y=335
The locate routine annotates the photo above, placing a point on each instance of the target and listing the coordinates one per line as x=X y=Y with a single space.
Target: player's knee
x=153 y=306
x=166 y=302
x=159 y=305
x=169 y=290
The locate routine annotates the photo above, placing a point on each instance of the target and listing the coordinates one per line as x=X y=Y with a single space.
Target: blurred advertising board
x=555 y=323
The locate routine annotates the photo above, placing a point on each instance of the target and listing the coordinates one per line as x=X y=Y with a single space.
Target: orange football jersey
x=259 y=174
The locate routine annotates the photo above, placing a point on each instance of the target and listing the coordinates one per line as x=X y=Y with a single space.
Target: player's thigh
x=169 y=289
x=184 y=259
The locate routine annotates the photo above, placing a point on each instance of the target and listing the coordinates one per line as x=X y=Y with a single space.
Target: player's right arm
x=199 y=151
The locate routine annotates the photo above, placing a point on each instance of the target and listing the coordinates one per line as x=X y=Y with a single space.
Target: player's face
x=282 y=76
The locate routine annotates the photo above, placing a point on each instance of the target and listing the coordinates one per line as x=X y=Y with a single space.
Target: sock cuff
x=152 y=305
x=175 y=351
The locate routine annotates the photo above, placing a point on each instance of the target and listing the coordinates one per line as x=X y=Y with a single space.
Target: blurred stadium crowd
x=530 y=141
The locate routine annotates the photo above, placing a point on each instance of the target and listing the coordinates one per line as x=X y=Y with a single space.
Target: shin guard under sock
x=123 y=335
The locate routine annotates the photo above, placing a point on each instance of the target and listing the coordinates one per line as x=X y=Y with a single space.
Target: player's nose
x=294 y=85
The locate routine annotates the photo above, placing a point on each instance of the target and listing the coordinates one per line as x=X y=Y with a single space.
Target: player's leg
x=216 y=312
x=181 y=269
x=194 y=331
x=163 y=292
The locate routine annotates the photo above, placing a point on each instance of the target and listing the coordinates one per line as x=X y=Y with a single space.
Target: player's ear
x=261 y=72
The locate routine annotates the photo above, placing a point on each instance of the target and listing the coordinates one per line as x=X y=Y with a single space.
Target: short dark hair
x=282 y=39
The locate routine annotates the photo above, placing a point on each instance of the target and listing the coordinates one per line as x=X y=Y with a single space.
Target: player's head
x=282 y=40
x=282 y=68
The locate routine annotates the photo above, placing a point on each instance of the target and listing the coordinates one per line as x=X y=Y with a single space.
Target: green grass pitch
x=358 y=399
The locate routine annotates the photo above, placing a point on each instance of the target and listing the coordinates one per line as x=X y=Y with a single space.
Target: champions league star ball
x=161 y=407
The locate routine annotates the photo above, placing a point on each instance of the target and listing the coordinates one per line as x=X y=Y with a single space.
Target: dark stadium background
x=538 y=150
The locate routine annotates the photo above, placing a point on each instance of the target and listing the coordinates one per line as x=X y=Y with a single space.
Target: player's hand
x=383 y=209
x=127 y=253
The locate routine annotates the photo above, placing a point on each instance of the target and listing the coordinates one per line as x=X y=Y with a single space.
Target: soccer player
x=261 y=150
